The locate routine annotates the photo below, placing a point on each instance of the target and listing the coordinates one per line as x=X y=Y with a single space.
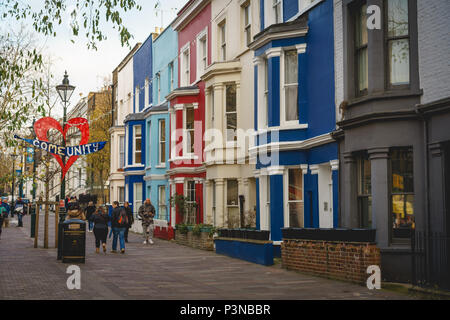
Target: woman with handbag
x=100 y=220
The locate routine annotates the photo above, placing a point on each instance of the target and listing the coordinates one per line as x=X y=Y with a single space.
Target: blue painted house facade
x=296 y=157
x=135 y=125
x=164 y=80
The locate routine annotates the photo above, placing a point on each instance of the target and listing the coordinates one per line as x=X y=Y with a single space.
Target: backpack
x=123 y=218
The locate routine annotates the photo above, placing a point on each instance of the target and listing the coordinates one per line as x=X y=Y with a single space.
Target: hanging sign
x=41 y=128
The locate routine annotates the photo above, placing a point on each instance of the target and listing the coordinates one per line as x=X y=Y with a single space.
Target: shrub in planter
x=196 y=230
x=182 y=228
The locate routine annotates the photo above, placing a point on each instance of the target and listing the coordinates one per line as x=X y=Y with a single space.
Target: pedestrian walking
x=119 y=223
x=20 y=210
x=100 y=220
x=89 y=211
x=7 y=212
x=127 y=207
x=147 y=213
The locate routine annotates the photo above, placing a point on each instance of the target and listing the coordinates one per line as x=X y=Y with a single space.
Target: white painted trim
x=179 y=180
x=276 y=36
x=155 y=177
x=276 y=170
x=334 y=165
x=294 y=145
x=307 y=8
x=314 y=169
x=201 y=34
x=273 y=52
x=301 y=48
x=134 y=173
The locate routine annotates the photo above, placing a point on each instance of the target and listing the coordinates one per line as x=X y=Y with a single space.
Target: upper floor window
x=121 y=151
x=185 y=77
x=276 y=7
x=136 y=98
x=223 y=41
x=189 y=130
x=247 y=23
x=146 y=93
x=202 y=53
x=158 y=83
x=230 y=112
x=290 y=85
x=397 y=39
x=162 y=141
x=361 y=52
x=137 y=140
x=171 y=78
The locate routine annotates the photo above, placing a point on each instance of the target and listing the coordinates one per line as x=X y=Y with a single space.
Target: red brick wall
x=203 y=241
x=338 y=260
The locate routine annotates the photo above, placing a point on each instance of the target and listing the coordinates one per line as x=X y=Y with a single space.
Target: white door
x=325 y=197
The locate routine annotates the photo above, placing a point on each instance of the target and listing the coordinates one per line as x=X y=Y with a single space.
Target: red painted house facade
x=187 y=172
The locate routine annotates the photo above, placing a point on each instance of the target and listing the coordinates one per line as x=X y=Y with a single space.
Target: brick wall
x=338 y=260
x=434 y=52
x=203 y=241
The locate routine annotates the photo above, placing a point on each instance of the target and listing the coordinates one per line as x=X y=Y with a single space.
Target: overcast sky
x=87 y=69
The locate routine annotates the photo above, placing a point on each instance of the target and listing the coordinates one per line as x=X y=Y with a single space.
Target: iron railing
x=430 y=260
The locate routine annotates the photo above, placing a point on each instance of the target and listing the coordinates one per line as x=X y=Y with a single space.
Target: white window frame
x=161 y=150
x=162 y=205
x=233 y=112
x=277 y=7
x=136 y=98
x=146 y=93
x=186 y=193
x=231 y=206
x=269 y=12
x=247 y=8
x=119 y=189
x=263 y=92
x=286 y=201
x=185 y=70
x=186 y=131
x=222 y=26
x=264 y=196
x=171 y=77
x=134 y=144
x=121 y=151
x=202 y=60
x=136 y=202
x=158 y=92
x=149 y=156
x=283 y=121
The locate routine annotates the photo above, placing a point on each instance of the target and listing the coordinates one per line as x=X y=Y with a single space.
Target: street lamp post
x=65 y=91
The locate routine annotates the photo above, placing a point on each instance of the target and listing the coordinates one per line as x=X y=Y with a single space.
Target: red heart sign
x=42 y=126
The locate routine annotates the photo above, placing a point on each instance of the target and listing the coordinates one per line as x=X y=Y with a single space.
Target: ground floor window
x=137 y=201
x=295 y=198
x=162 y=202
x=364 y=191
x=233 y=204
x=402 y=193
x=121 y=194
x=191 y=204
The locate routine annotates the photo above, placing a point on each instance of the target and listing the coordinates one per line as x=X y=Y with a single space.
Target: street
x=164 y=270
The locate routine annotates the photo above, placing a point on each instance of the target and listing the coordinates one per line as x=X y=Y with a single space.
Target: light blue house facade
x=135 y=125
x=164 y=80
x=295 y=113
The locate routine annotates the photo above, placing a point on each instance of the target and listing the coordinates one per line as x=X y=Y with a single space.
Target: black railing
x=430 y=260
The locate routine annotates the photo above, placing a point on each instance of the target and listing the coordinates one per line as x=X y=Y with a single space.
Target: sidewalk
x=164 y=270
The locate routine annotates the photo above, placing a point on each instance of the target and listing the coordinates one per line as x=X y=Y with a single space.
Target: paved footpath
x=164 y=270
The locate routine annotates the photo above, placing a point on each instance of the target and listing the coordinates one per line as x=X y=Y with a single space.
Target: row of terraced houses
x=291 y=113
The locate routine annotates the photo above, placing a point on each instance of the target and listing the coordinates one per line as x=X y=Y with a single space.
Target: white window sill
x=160 y=166
x=135 y=166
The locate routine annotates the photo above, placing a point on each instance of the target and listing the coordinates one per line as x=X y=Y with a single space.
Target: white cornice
x=301 y=48
x=182 y=93
x=276 y=36
x=155 y=177
x=273 y=52
x=314 y=169
x=134 y=173
x=188 y=14
x=293 y=145
x=334 y=164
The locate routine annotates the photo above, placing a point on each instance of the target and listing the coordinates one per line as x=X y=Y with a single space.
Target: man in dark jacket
x=90 y=209
x=118 y=227
x=127 y=207
x=19 y=207
x=147 y=213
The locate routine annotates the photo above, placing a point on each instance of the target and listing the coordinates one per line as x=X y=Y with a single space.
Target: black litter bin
x=73 y=241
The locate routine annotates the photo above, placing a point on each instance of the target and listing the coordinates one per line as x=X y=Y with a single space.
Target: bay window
x=397 y=38
x=361 y=52
x=233 y=204
x=364 y=191
x=290 y=86
x=137 y=140
x=190 y=202
x=295 y=198
x=402 y=193
x=230 y=112
x=162 y=203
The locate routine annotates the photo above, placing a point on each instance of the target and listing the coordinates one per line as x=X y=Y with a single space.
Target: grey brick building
x=393 y=89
